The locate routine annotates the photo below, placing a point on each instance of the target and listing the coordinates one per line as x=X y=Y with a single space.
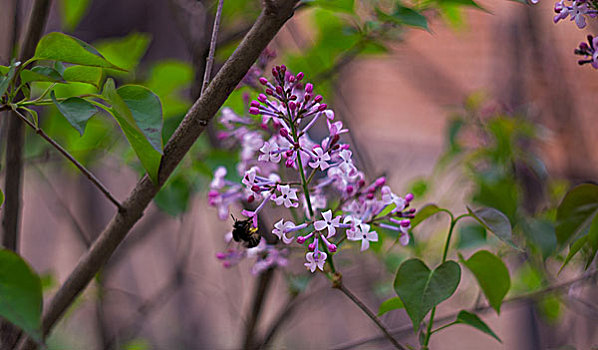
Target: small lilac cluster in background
x=578 y=10
x=280 y=165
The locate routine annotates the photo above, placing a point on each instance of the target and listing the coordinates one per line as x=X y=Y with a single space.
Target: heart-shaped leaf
x=76 y=110
x=20 y=293
x=576 y=211
x=492 y=275
x=420 y=289
x=495 y=222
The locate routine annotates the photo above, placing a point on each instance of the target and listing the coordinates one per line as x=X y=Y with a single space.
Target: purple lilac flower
x=590 y=51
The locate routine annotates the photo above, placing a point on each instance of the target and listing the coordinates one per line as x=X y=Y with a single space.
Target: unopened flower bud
x=254 y=110
x=254 y=103
x=361 y=183
x=318 y=98
x=293 y=97
x=405 y=223
x=283 y=68
x=263 y=81
x=349 y=189
x=284 y=132
x=220 y=256
x=332 y=248
x=312 y=246
x=309 y=88
x=291 y=79
x=370 y=196
x=409 y=197
x=262 y=98
x=279 y=90
x=274 y=71
x=322 y=107
x=269 y=92
x=380 y=181
x=292 y=105
x=300 y=75
x=250 y=199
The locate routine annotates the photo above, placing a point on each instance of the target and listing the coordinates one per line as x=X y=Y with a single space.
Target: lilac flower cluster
x=578 y=11
x=318 y=182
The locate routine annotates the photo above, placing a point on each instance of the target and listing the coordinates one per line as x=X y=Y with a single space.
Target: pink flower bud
x=291 y=79
x=263 y=81
x=262 y=98
x=293 y=97
x=380 y=181
x=255 y=188
x=226 y=264
x=289 y=163
x=275 y=71
x=250 y=199
x=284 y=132
x=409 y=197
x=279 y=90
x=254 y=110
x=332 y=248
x=300 y=75
x=254 y=103
x=220 y=256
x=349 y=189
x=309 y=88
x=283 y=68
x=361 y=183
x=301 y=239
x=292 y=105
x=370 y=196
x=269 y=92
x=322 y=107
x=405 y=223
x=335 y=139
x=312 y=246
x=318 y=98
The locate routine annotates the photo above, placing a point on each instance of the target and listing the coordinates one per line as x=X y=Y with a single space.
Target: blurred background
x=488 y=107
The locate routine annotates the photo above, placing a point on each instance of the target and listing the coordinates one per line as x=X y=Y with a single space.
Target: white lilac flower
x=320 y=159
x=388 y=197
x=364 y=235
x=328 y=223
x=218 y=180
x=282 y=227
x=315 y=259
x=287 y=196
x=270 y=152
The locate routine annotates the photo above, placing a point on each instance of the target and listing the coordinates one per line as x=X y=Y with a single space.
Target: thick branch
x=194 y=123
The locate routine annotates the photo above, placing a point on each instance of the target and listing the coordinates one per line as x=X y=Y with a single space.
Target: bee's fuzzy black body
x=243 y=231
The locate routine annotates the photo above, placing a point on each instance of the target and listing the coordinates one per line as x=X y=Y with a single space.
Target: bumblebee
x=243 y=231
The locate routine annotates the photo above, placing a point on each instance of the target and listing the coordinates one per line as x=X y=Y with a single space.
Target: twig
x=284 y=315
x=210 y=60
x=68 y=156
x=533 y=295
x=261 y=290
x=195 y=122
x=370 y=314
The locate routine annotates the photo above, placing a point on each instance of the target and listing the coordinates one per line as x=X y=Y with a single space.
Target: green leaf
x=125 y=117
x=469 y=3
x=72 y=11
x=5 y=81
x=61 y=47
x=496 y=222
x=424 y=213
x=420 y=289
x=492 y=275
x=1 y=198
x=592 y=241
x=20 y=294
x=576 y=211
x=84 y=74
x=541 y=235
x=390 y=304
x=574 y=249
x=76 y=110
x=473 y=320
x=41 y=73
x=174 y=196
x=146 y=109
x=404 y=16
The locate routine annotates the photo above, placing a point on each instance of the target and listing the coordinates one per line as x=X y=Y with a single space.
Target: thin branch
x=399 y=332
x=68 y=156
x=284 y=315
x=261 y=290
x=210 y=60
x=370 y=314
x=195 y=122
